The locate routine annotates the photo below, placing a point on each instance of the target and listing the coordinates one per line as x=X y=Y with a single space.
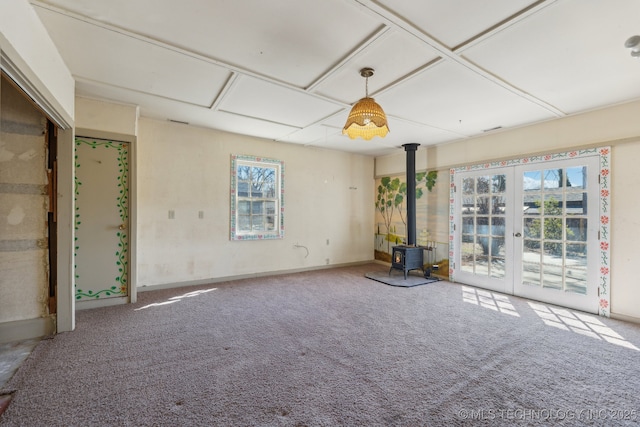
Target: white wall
x=328 y=196
x=31 y=58
x=618 y=126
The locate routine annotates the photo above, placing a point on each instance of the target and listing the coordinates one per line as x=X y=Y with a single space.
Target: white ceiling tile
x=453 y=22
x=164 y=109
x=268 y=101
x=255 y=60
x=291 y=41
x=133 y=64
x=453 y=98
x=576 y=61
x=392 y=57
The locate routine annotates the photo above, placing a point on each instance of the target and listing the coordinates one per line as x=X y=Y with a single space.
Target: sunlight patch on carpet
x=579 y=323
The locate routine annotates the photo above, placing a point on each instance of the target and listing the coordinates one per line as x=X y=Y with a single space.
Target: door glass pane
x=499 y=183
x=497 y=226
x=532 y=204
x=531 y=228
x=482 y=205
x=576 y=268
x=577 y=255
x=467 y=225
x=577 y=177
x=577 y=229
x=497 y=267
x=552 y=252
x=497 y=247
x=466 y=256
x=481 y=264
x=497 y=205
x=552 y=276
x=576 y=281
x=531 y=273
x=553 y=178
x=552 y=228
x=552 y=204
x=531 y=181
x=482 y=225
x=483 y=185
x=576 y=203
x=468 y=186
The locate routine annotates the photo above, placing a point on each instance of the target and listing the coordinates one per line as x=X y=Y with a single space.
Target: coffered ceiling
x=288 y=70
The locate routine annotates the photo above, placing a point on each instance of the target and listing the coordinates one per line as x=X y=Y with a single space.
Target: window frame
x=254 y=161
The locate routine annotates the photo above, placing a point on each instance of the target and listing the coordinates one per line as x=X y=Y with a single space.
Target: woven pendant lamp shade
x=366 y=119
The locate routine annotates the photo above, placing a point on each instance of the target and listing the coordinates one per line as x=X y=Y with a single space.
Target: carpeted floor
x=331 y=348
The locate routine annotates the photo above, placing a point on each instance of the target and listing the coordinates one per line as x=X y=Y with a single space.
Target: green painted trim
x=122 y=284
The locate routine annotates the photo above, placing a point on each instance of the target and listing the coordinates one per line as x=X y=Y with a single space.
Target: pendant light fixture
x=366 y=119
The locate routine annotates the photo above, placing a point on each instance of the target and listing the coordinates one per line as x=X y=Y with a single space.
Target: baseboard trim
x=106 y=302
x=245 y=276
x=625 y=318
x=27 y=329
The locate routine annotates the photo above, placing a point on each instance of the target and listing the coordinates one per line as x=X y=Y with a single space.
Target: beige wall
x=24 y=285
x=106 y=119
x=328 y=197
x=618 y=126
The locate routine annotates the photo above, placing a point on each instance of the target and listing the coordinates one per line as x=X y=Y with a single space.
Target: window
x=257 y=203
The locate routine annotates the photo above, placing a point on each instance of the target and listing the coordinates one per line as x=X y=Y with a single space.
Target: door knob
x=122 y=226
x=518 y=234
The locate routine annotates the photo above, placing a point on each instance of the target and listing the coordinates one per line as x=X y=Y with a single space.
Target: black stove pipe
x=411 y=192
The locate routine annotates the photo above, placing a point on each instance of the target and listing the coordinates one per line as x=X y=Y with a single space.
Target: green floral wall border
x=604 y=154
x=121 y=287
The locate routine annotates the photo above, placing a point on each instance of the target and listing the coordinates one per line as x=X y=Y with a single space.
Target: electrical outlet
x=172 y=214
x=327 y=260
x=327 y=242
x=200 y=214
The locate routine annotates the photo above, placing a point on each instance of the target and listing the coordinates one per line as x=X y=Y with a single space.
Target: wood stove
x=407 y=258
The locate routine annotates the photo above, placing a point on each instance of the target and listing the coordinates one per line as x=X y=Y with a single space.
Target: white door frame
x=604 y=267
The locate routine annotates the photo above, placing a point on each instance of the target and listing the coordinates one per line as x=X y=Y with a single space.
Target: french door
x=531 y=230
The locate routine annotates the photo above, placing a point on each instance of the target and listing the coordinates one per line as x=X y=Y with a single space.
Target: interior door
x=102 y=219
x=530 y=230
